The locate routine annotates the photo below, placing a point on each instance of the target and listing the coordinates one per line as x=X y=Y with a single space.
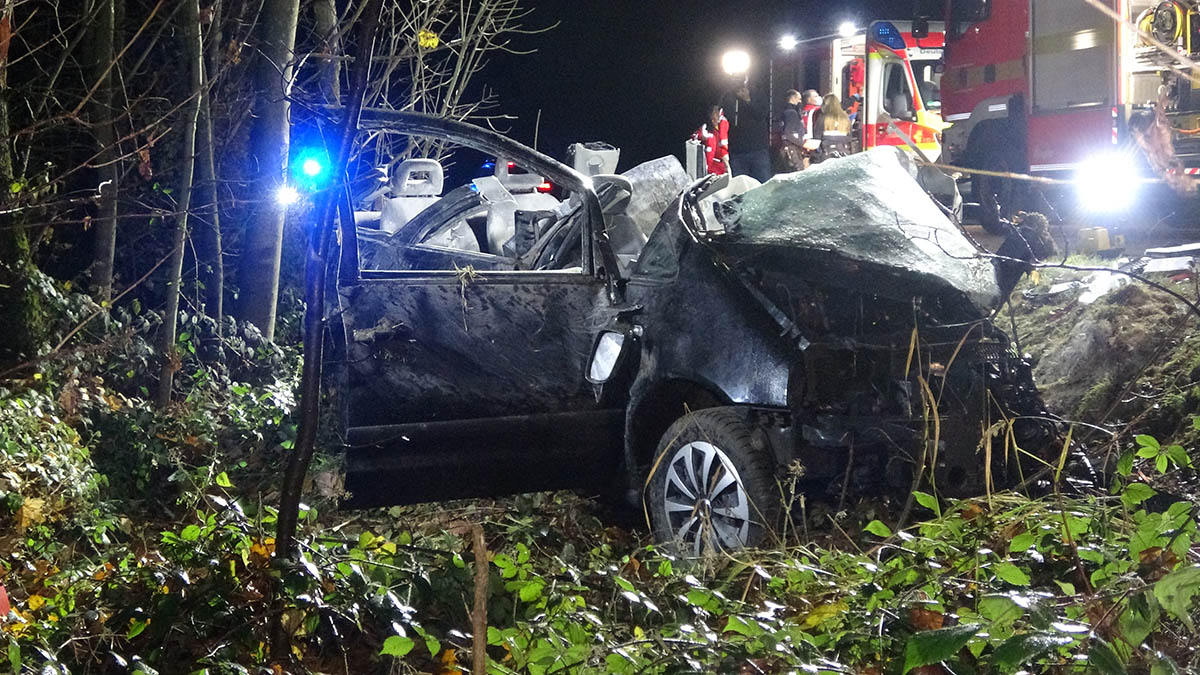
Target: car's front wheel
x=713 y=483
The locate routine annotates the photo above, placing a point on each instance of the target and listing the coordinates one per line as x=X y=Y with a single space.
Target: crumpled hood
x=864 y=214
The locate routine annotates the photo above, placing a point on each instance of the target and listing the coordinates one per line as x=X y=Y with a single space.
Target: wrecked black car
x=685 y=345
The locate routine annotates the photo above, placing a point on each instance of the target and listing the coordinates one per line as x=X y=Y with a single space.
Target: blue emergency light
x=310 y=168
x=886 y=34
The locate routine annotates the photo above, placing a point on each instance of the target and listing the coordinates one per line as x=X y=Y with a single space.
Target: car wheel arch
x=655 y=404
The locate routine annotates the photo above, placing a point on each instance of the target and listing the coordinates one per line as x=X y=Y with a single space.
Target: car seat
x=501 y=212
x=416 y=185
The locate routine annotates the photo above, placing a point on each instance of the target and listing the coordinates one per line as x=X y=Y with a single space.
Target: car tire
x=737 y=502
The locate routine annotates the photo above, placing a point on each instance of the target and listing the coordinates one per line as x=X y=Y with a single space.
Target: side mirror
x=607 y=354
x=920 y=28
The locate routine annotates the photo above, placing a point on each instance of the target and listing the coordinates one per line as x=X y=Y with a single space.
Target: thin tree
x=259 y=274
x=315 y=272
x=212 y=263
x=100 y=111
x=191 y=112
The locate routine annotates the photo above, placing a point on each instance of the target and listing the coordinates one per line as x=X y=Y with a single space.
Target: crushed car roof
x=866 y=209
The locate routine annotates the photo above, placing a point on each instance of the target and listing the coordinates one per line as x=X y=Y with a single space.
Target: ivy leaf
x=739 y=625
x=1176 y=590
x=223 y=480
x=1011 y=574
x=1160 y=463
x=1022 y=542
x=878 y=529
x=928 y=501
x=1021 y=649
x=1104 y=658
x=397 y=645
x=136 y=626
x=1125 y=464
x=1145 y=441
x=1000 y=609
x=14 y=656
x=1179 y=455
x=531 y=591
x=1136 y=493
x=824 y=613
x=934 y=646
x=1139 y=619
x=431 y=643
x=1163 y=665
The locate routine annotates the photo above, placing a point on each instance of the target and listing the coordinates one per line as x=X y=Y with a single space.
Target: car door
x=467 y=378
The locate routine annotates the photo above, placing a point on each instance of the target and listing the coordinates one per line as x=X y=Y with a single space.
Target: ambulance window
x=897 y=97
x=929 y=83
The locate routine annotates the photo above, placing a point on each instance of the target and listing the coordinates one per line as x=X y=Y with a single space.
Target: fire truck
x=883 y=75
x=1056 y=88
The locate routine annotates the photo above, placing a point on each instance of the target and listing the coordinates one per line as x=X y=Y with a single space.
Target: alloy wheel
x=705 y=502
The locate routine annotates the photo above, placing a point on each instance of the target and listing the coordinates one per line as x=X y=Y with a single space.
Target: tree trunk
x=20 y=305
x=195 y=59
x=259 y=273
x=212 y=261
x=325 y=20
x=101 y=114
x=315 y=271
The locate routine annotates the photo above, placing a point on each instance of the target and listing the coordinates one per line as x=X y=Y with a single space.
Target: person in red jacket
x=714 y=134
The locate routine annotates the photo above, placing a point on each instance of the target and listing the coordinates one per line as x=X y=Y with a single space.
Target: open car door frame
x=459 y=383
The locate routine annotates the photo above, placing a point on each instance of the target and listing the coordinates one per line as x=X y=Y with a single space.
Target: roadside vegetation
x=140 y=540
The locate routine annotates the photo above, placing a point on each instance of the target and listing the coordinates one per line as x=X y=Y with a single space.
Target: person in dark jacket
x=748 y=134
x=792 y=150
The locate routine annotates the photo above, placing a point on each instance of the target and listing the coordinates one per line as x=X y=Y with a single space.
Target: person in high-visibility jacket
x=714 y=134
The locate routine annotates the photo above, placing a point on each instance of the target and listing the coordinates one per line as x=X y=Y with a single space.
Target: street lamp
x=788 y=42
x=735 y=62
x=847 y=29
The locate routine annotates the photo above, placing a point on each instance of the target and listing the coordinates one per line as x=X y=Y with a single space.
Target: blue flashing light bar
x=886 y=34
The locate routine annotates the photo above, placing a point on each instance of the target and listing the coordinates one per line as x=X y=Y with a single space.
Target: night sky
x=638 y=73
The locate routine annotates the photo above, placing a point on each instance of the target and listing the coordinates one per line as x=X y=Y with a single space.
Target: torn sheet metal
x=1192 y=249
x=656 y=184
x=1173 y=265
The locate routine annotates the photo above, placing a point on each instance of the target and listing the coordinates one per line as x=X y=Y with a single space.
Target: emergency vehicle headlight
x=1107 y=182
x=886 y=34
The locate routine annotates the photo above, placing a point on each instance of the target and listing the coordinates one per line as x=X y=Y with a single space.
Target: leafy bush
x=45 y=470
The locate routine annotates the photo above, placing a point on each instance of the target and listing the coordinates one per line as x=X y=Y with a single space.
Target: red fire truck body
x=1051 y=86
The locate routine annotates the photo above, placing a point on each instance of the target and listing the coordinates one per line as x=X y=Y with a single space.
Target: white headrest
x=418 y=178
